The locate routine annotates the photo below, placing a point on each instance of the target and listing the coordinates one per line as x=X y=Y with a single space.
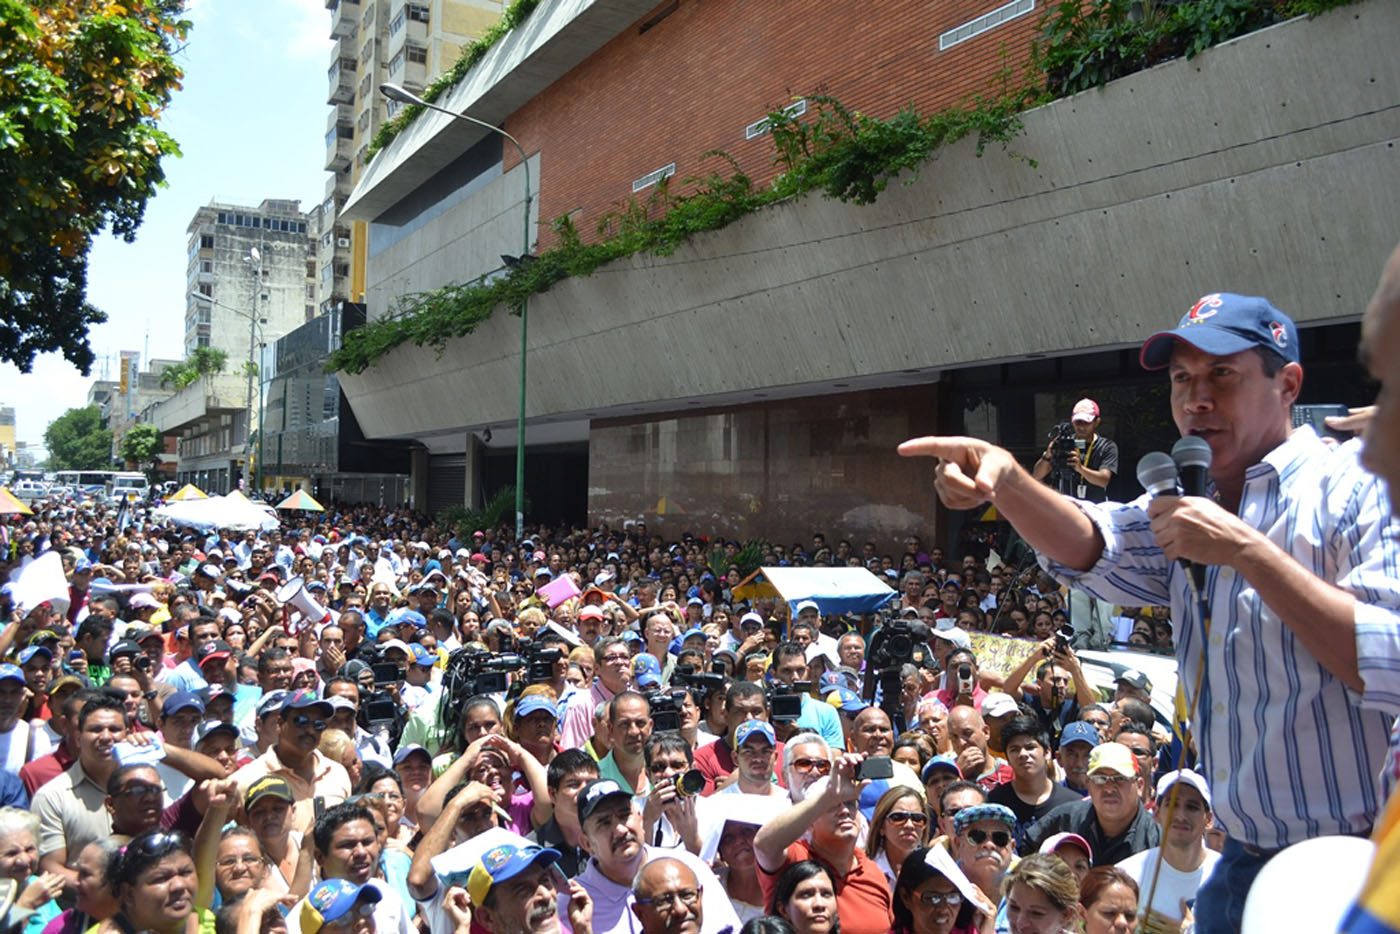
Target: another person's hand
x=1355 y=420
x=580 y=908
x=458 y=907
x=44 y=889
x=969 y=470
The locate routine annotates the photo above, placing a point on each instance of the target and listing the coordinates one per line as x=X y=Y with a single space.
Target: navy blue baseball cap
x=1222 y=324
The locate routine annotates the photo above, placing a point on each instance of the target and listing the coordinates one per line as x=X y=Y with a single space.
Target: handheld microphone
x=1158 y=474
x=1192 y=457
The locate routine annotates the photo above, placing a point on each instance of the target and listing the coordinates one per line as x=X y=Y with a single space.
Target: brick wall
x=695 y=79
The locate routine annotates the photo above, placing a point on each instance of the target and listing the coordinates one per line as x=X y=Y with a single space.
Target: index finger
x=940 y=446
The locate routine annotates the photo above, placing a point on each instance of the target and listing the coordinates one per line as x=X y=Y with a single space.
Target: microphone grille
x=1191 y=451
x=1157 y=472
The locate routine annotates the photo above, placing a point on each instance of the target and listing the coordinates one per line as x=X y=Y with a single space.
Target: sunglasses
x=1102 y=780
x=979 y=836
x=805 y=766
x=934 y=899
x=302 y=720
x=907 y=817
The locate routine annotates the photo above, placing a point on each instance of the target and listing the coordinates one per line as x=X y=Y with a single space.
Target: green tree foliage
x=82 y=86
x=142 y=445
x=77 y=441
x=205 y=361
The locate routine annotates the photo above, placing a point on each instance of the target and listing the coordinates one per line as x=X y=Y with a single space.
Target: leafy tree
x=82 y=86
x=77 y=441
x=205 y=361
x=142 y=445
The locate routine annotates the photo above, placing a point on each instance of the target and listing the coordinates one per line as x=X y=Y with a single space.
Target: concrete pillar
x=471 y=486
x=418 y=477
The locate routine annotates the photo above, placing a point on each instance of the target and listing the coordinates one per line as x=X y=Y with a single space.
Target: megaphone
x=294 y=594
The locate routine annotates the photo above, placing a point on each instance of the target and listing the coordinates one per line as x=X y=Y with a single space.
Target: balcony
x=341 y=115
x=338 y=151
x=345 y=17
x=342 y=81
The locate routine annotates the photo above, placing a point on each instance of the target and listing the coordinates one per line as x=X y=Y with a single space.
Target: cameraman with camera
x=1078 y=461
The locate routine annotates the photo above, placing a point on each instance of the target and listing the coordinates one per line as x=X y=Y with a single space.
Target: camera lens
x=691 y=783
x=965 y=671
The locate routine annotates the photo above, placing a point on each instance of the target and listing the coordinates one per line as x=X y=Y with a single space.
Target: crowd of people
x=410 y=736
x=365 y=723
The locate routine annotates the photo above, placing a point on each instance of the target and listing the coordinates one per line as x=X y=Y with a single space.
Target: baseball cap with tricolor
x=333 y=899
x=502 y=863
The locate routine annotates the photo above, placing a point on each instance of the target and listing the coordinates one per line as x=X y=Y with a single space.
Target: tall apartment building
x=227 y=279
x=408 y=43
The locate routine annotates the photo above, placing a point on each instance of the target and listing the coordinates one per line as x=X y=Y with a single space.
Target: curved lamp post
x=402 y=95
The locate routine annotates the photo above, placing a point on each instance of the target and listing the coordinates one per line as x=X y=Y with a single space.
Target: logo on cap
x=497 y=858
x=1279 y=332
x=1204 y=308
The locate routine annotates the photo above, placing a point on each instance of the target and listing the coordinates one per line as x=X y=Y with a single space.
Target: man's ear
x=1291 y=382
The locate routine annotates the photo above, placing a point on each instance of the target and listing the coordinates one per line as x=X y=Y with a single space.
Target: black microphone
x=1158 y=474
x=1192 y=457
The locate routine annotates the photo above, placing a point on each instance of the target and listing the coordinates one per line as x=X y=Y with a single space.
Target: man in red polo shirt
x=831 y=810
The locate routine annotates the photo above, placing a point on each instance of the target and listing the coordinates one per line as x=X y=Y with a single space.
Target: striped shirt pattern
x=1290 y=752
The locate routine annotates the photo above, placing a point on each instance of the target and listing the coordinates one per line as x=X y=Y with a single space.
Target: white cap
x=953 y=634
x=1195 y=779
x=998 y=704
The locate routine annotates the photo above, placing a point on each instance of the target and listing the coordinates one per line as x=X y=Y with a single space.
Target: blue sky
x=250 y=121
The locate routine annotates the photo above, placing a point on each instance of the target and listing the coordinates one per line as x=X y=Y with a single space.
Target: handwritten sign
x=1000 y=654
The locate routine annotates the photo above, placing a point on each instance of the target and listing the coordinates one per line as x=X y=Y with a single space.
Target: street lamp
x=403 y=96
x=255 y=323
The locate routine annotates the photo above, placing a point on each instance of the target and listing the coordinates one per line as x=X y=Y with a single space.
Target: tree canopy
x=202 y=362
x=142 y=445
x=82 y=86
x=77 y=441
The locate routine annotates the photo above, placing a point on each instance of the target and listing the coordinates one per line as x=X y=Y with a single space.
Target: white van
x=128 y=486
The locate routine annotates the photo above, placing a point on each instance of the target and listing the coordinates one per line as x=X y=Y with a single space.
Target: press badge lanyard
x=1082 y=489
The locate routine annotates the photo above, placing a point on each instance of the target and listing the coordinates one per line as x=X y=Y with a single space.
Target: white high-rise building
x=251 y=276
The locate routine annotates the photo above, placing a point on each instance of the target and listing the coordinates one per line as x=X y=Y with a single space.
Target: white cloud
x=308 y=29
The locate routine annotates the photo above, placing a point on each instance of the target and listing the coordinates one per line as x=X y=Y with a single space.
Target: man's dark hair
x=741 y=689
x=666 y=742
x=1020 y=726
x=1139 y=712
x=618 y=698
x=1137 y=729
x=786 y=650
x=1270 y=360
x=567 y=763
x=356 y=618
x=954 y=788
x=269 y=655
x=375 y=773
x=122 y=772
x=74 y=702
x=93 y=626
x=802 y=624
x=336 y=817
x=101 y=702
x=339 y=679
x=202 y=620
x=956 y=654
x=444 y=618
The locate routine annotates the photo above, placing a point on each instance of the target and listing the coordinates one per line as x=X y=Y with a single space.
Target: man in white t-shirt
x=1185 y=860
x=20 y=741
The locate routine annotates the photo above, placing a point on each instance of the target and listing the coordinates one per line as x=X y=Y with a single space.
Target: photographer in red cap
x=1087 y=462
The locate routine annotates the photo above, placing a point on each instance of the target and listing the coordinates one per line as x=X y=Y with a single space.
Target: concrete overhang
x=207 y=396
x=554 y=40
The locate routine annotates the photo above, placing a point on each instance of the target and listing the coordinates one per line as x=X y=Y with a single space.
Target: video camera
x=1062 y=444
x=540 y=663
x=665 y=709
x=785 y=700
x=478 y=672
x=700 y=684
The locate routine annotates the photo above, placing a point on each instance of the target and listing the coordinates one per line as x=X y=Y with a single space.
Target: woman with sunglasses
x=897 y=828
x=154 y=880
x=933 y=900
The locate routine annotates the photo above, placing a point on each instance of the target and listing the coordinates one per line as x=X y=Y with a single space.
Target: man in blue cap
x=1298 y=554
x=514 y=890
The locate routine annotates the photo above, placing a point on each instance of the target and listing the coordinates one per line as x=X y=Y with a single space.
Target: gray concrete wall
x=195 y=401
x=1267 y=166
x=466 y=241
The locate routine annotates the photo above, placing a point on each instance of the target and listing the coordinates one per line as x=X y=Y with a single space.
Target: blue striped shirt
x=1290 y=752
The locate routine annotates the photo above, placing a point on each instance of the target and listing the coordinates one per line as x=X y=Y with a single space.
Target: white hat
x=998 y=704
x=953 y=634
x=1195 y=779
x=396 y=644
